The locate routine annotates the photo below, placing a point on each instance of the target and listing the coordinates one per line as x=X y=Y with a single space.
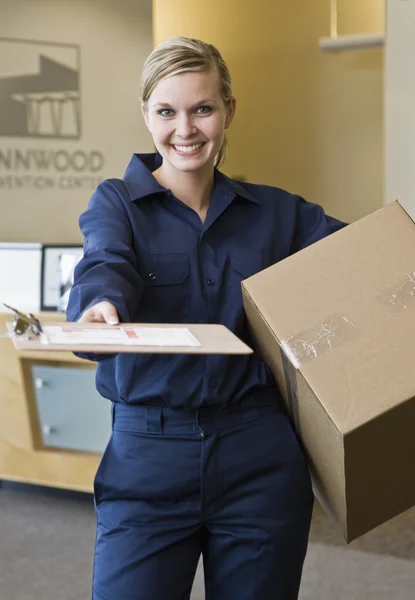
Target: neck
x=194 y=189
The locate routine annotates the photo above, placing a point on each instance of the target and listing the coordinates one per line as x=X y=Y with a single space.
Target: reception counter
x=53 y=424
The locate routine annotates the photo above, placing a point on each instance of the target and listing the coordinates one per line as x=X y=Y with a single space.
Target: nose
x=185 y=127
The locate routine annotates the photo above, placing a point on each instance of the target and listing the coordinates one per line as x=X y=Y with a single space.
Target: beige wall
x=399 y=105
x=43 y=204
x=307 y=121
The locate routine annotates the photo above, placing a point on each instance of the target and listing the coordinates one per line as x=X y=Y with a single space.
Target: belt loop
x=197 y=422
x=249 y=409
x=112 y=414
x=154 y=419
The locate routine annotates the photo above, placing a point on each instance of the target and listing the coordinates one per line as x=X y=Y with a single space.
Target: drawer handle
x=40 y=383
x=48 y=429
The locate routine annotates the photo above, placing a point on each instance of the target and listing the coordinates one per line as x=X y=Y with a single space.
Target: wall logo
x=40 y=100
x=39 y=89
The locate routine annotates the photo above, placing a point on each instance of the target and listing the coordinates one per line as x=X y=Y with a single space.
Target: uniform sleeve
x=312 y=224
x=108 y=269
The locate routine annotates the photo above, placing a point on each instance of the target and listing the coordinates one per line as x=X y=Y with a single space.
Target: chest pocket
x=167 y=287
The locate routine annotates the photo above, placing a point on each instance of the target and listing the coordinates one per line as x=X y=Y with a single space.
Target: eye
x=165 y=112
x=203 y=110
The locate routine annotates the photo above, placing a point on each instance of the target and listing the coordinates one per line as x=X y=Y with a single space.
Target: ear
x=145 y=114
x=231 y=113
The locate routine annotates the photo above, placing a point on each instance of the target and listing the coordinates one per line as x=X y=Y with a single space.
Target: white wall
x=400 y=103
x=113 y=37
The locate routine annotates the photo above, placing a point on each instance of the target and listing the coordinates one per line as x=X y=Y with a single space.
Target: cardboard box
x=336 y=324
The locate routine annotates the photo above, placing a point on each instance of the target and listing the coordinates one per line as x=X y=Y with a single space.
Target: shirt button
x=211 y=282
x=152 y=276
x=213 y=383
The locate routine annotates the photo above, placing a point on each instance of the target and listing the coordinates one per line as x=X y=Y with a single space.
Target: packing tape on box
x=309 y=345
x=324 y=337
x=338 y=329
x=401 y=296
x=329 y=335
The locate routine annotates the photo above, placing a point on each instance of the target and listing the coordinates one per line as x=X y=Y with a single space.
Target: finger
x=109 y=314
x=91 y=316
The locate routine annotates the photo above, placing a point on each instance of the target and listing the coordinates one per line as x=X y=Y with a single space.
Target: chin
x=193 y=165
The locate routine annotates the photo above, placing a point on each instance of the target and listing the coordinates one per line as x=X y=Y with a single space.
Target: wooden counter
x=23 y=455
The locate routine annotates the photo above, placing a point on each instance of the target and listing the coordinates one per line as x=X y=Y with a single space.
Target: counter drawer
x=71 y=413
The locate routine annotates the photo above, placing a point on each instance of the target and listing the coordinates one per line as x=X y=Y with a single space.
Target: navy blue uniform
x=202 y=457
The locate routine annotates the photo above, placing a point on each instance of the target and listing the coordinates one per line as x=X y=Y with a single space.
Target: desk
x=31 y=450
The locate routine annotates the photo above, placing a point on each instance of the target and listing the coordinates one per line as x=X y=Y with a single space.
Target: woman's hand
x=103 y=312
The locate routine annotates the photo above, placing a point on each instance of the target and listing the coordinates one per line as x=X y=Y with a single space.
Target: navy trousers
x=229 y=483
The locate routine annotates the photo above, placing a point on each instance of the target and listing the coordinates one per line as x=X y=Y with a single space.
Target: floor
x=47 y=538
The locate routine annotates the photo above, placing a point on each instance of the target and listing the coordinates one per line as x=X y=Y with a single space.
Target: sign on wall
x=69 y=109
x=40 y=98
x=40 y=92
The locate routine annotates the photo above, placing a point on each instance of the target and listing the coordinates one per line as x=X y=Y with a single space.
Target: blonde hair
x=184 y=55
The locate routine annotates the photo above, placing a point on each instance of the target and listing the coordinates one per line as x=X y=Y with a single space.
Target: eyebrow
x=200 y=103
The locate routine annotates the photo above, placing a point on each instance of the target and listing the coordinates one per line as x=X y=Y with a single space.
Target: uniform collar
x=138 y=178
x=231 y=185
x=140 y=182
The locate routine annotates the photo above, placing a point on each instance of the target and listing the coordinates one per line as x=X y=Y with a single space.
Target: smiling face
x=187 y=118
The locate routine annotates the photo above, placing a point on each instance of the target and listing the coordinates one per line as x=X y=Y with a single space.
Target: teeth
x=188 y=148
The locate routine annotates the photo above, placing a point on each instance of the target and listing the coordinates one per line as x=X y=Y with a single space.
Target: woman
x=202 y=458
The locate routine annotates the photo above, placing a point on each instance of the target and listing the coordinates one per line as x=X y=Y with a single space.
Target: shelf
x=352 y=42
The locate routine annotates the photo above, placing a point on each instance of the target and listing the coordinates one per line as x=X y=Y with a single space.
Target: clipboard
x=28 y=333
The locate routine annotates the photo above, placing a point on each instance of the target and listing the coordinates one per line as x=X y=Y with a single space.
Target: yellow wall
x=308 y=121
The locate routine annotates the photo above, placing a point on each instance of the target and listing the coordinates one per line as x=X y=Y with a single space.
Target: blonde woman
x=202 y=458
